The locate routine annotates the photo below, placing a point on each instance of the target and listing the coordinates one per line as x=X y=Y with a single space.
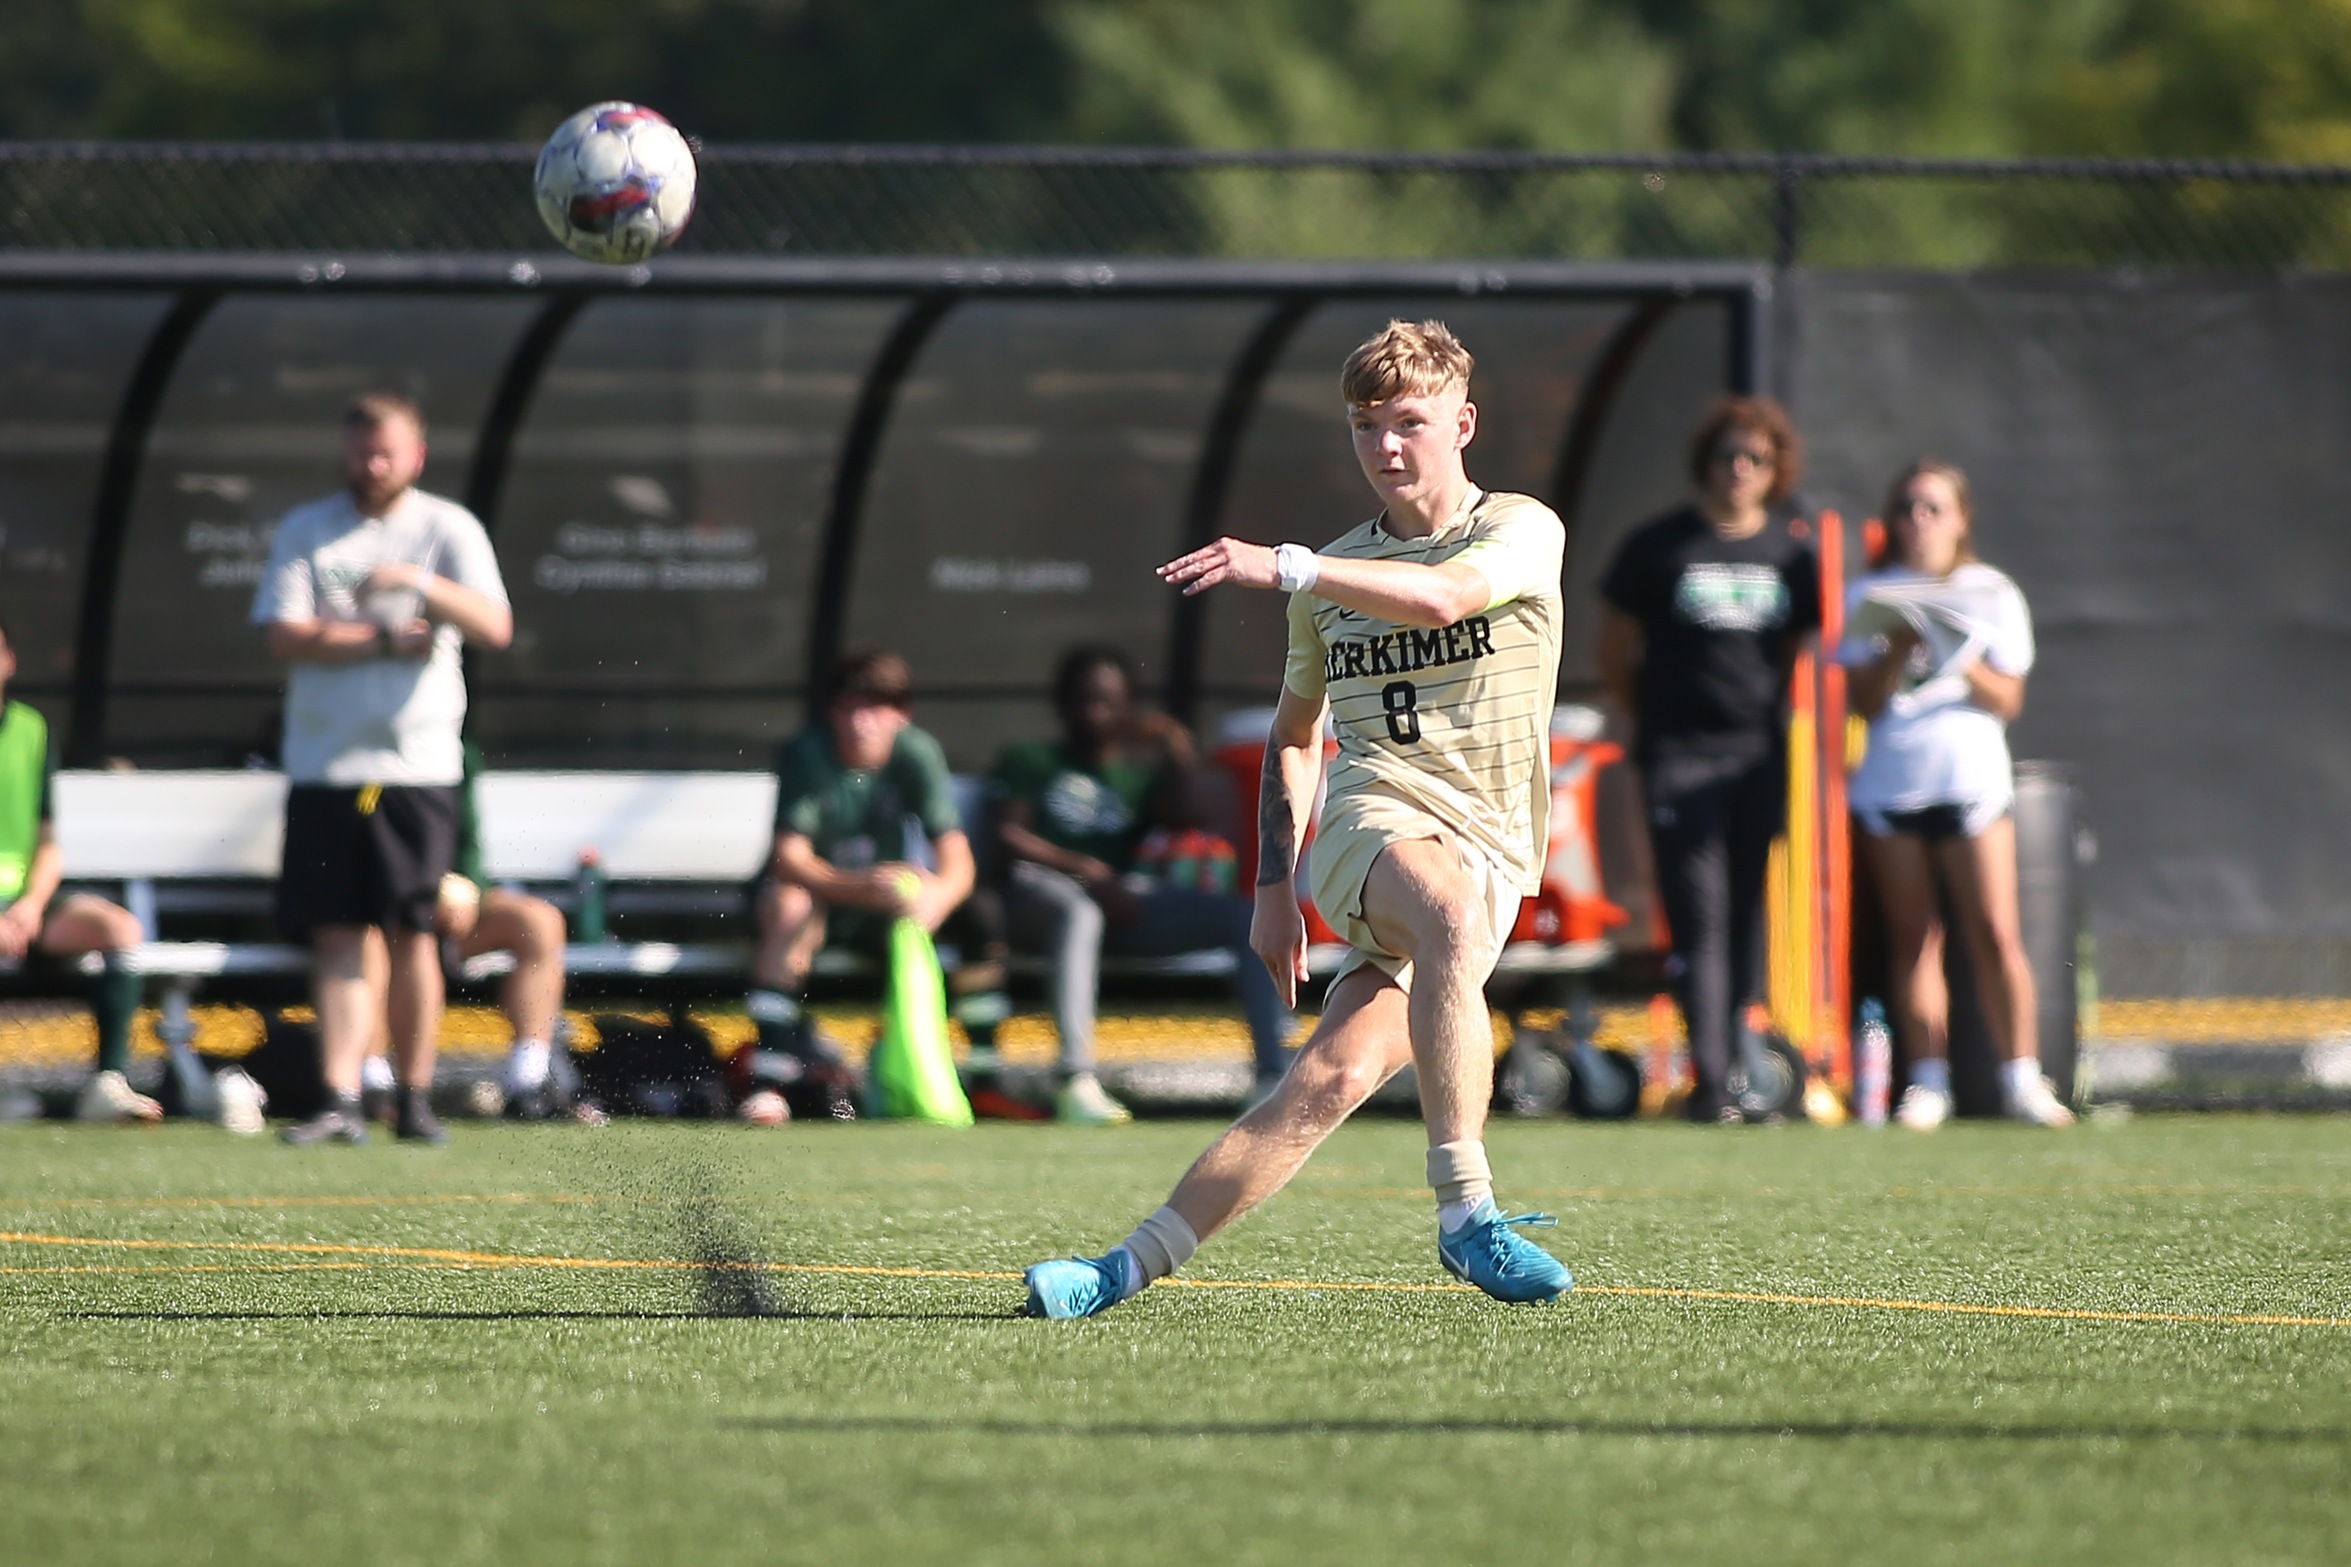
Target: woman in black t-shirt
x=1705 y=608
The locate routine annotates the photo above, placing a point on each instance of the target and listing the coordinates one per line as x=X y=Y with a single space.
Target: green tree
x=2188 y=78
x=2267 y=78
x=454 y=69
x=1421 y=74
x=1431 y=74
x=1940 y=77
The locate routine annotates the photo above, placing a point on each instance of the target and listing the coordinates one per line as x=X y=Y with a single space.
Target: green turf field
x=366 y=1355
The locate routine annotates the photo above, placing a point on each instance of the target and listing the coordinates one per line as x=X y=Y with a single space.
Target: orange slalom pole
x=1836 y=828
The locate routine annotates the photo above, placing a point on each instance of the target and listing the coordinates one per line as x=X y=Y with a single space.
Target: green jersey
x=469 y=818
x=24 y=793
x=1093 y=810
x=855 y=818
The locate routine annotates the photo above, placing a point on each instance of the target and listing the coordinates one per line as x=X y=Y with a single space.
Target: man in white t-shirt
x=369 y=599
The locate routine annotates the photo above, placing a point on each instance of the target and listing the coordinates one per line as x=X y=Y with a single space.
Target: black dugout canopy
x=706 y=476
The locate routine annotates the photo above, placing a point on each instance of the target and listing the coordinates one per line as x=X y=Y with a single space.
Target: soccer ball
x=616 y=183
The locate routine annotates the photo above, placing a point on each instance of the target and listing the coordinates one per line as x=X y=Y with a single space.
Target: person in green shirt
x=1071 y=814
x=843 y=868
x=35 y=920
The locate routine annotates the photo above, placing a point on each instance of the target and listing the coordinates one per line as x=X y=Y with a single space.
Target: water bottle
x=1221 y=871
x=1873 y=1065
x=587 y=921
x=1183 y=861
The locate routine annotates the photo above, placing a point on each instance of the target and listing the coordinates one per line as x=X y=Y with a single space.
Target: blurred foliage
x=766 y=70
x=2256 y=78
x=2195 y=78
x=1426 y=75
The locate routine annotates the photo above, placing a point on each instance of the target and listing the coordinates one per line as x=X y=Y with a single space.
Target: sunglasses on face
x=1753 y=456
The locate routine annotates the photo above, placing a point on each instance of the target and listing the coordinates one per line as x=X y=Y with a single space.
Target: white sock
x=1932 y=1073
x=376 y=1073
x=2021 y=1076
x=1160 y=1245
x=1452 y=1216
x=526 y=1065
x=1461 y=1178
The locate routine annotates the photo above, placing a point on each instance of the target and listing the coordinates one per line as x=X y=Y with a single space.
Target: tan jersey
x=1455 y=721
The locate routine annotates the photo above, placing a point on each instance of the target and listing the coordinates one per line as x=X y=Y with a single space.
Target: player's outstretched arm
x=1403 y=591
x=1293 y=770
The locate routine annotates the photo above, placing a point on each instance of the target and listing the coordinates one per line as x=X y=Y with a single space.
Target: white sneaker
x=109 y=1096
x=1084 y=1102
x=2037 y=1105
x=241 y=1101
x=1922 y=1109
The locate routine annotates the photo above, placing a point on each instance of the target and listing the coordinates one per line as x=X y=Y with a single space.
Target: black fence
x=1123 y=202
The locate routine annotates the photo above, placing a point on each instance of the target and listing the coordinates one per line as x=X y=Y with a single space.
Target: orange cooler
x=1573 y=905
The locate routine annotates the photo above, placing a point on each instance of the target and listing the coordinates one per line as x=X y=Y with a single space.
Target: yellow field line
x=481 y=1259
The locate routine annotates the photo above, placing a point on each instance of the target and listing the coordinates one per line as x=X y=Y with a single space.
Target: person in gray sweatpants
x=1070 y=816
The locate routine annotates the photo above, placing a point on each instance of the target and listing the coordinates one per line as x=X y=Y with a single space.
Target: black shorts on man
x=373 y=855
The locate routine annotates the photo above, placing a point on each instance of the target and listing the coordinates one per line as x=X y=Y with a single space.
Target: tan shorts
x=1355 y=829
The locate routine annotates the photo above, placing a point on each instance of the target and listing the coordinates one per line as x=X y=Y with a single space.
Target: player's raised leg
x=1359 y=1044
x=1424 y=901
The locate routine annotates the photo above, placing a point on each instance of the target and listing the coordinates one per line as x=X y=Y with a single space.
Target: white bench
x=192 y=842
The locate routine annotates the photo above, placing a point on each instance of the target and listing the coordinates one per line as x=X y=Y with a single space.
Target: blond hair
x=369 y=410
x=1407 y=359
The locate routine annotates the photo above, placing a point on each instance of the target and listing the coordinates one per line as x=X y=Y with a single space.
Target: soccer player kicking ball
x=1431 y=636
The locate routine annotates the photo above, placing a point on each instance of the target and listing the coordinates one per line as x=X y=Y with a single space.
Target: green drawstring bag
x=913 y=1067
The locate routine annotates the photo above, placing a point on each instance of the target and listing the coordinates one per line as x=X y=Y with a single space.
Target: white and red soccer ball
x=616 y=183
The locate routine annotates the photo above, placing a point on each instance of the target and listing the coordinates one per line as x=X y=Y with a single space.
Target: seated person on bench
x=1072 y=815
x=845 y=789
x=479 y=916
x=33 y=919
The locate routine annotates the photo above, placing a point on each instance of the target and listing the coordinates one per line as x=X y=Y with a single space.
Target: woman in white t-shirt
x=1939 y=645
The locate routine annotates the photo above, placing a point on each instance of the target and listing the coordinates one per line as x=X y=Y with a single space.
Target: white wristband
x=1296 y=568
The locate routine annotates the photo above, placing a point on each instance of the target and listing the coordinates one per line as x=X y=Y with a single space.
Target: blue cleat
x=1075 y=1287
x=1487 y=1252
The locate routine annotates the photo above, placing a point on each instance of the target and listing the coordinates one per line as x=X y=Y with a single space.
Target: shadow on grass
x=1830 y=1430
x=770 y=1312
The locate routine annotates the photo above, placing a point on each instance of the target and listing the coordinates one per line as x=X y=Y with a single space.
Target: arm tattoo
x=1277 y=823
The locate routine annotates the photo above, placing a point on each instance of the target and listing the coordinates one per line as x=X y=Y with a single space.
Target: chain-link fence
x=902 y=201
